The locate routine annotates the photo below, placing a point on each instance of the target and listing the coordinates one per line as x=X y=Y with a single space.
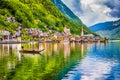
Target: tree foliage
x=34 y=14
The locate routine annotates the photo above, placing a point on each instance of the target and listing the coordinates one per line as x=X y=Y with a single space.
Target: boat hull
x=30 y=51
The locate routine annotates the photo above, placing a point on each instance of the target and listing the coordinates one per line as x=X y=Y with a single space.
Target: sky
x=95 y=11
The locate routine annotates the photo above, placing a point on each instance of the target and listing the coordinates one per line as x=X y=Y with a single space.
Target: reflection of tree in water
x=8 y=61
x=55 y=62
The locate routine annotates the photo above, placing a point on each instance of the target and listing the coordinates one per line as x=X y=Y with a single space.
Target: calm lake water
x=61 y=61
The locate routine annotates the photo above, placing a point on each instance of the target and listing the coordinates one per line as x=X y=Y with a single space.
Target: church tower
x=82 y=31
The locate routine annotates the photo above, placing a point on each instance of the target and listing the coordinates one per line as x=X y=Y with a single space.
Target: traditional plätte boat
x=30 y=51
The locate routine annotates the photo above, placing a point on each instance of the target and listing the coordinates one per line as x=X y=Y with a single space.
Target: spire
x=82 y=31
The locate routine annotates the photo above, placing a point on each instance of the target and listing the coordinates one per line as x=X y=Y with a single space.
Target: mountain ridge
x=72 y=17
x=109 y=29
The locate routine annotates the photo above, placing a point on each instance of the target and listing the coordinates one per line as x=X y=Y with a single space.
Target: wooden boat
x=30 y=51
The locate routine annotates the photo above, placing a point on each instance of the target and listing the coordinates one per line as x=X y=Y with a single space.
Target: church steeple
x=82 y=31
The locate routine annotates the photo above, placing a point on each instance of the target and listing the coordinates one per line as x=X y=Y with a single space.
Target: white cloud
x=93 y=11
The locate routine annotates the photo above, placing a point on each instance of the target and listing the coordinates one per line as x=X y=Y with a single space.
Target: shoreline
x=27 y=42
x=114 y=40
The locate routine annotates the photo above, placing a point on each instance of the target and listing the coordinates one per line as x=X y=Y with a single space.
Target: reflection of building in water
x=88 y=46
x=1 y=50
x=8 y=52
x=66 y=50
x=40 y=46
x=5 y=49
x=48 y=48
x=18 y=47
x=82 y=50
x=9 y=48
x=55 y=47
x=72 y=45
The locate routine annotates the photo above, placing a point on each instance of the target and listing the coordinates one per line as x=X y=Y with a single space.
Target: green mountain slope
x=70 y=15
x=66 y=11
x=36 y=14
x=108 y=29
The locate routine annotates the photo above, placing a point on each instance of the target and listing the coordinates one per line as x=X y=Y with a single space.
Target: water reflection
x=60 y=61
x=66 y=50
x=102 y=63
x=54 y=63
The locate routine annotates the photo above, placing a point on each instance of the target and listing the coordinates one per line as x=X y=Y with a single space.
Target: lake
x=61 y=61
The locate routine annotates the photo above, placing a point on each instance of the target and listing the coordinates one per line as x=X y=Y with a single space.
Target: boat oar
x=41 y=51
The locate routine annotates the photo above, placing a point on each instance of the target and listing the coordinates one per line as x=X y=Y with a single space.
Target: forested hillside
x=108 y=29
x=39 y=14
x=70 y=15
